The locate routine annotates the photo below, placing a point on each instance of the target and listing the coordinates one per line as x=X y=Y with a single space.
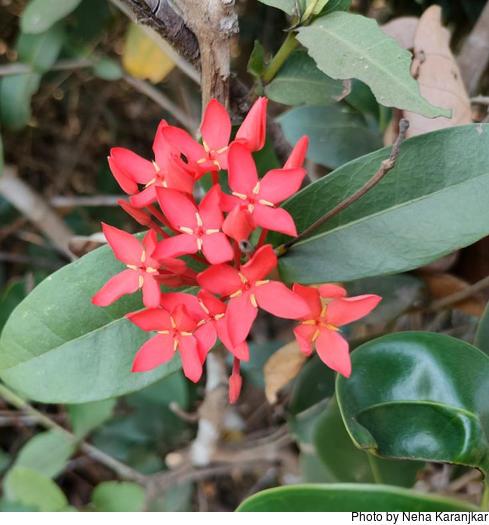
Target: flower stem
x=288 y=45
x=262 y=238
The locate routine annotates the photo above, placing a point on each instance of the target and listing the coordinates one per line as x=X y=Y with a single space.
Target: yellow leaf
x=281 y=368
x=142 y=58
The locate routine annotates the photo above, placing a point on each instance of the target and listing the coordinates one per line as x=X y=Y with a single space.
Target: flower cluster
x=213 y=237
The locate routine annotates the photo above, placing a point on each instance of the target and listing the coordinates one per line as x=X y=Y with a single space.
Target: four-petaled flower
x=248 y=289
x=329 y=308
x=142 y=268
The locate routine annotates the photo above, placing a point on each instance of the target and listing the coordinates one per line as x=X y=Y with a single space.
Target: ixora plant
x=227 y=234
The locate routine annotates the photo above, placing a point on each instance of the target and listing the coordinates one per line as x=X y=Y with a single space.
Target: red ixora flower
x=259 y=197
x=142 y=268
x=175 y=331
x=329 y=308
x=200 y=227
x=247 y=290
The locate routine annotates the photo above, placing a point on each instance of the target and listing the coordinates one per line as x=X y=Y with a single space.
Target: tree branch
x=385 y=167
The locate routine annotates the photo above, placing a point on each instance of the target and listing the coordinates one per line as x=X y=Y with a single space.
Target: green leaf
x=58 y=347
x=107 y=69
x=15 y=99
x=46 y=453
x=482 y=334
x=15 y=506
x=344 y=497
x=337 y=134
x=345 y=45
x=1 y=156
x=40 y=15
x=345 y=462
x=299 y=81
x=398 y=292
x=113 y=496
x=41 y=50
x=256 y=63
x=434 y=201
x=85 y=417
x=419 y=395
x=29 y=487
x=336 y=5
x=290 y=6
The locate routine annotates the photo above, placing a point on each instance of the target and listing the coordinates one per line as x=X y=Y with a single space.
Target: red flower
x=211 y=312
x=298 y=154
x=142 y=268
x=252 y=132
x=200 y=227
x=248 y=290
x=216 y=131
x=175 y=332
x=320 y=325
x=260 y=196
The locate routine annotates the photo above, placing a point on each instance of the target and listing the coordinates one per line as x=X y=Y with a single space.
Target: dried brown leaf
x=402 y=29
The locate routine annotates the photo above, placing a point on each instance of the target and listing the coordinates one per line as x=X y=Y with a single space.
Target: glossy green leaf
x=15 y=99
x=345 y=45
x=58 y=347
x=435 y=200
x=299 y=81
x=31 y=488
x=40 y=15
x=47 y=453
x=41 y=50
x=398 y=292
x=337 y=134
x=419 y=395
x=113 y=496
x=344 y=497
x=345 y=462
x=85 y=417
x=482 y=334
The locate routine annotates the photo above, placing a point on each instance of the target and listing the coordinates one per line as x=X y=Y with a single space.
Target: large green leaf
x=419 y=395
x=344 y=497
x=40 y=15
x=345 y=45
x=299 y=81
x=337 y=134
x=345 y=462
x=434 y=201
x=47 y=453
x=58 y=347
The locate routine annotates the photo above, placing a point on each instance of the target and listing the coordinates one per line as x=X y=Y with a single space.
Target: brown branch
x=459 y=296
x=386 y=166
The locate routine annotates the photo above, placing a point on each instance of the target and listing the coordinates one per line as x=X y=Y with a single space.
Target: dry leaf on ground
x=402 y=29
x=281 y=368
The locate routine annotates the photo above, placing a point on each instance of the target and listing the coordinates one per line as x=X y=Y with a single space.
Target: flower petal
x=274 y=219
x=124 y=181
x=216 y=248
x=145 y=197
x=170 y=300
x=175 y=246
x=348 y=309
x=161 y=148
x=303 y=333
x=311 y=297
x=332 y=348
x=216 y=126
x=235 y=384
x=252 y=131
x=126 y=248
x=206 y=338
x=192 y=366
x=156 y=351
x=220 y=279
x=240 y=316
x=211 y=303
x=298 y=154
x=177 y=207
x=276 y=298
x=151 y=291
x=152 y=319
x=278 y=185
x=119 y=285
x=210 y=209
x=184 y=143
x=261 y=264
x=240 y=351
x=331 y=291
x=133 y=165
x=242 y=170
x=238 y=224
x=138 y=215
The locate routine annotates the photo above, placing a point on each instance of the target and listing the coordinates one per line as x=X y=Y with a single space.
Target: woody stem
x=386 y=166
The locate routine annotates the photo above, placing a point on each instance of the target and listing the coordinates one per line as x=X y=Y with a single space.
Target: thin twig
x=385 y=167
x=124 y=471
x=67 y=201
x=163 y=101
x=460 y=296
x=17 y=68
